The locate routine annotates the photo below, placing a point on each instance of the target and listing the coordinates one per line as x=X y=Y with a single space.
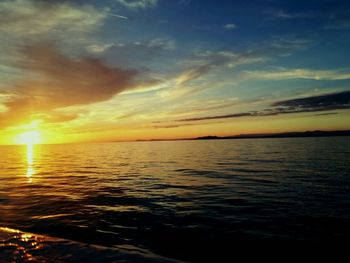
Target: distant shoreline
x=306 y=134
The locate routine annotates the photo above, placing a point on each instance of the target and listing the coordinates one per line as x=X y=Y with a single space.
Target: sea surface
x=176 y=200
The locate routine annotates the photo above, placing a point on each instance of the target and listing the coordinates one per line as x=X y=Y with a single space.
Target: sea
x=170 y=201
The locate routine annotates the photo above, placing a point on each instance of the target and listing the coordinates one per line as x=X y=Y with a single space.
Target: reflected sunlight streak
x=30 y=162
x=30 y=154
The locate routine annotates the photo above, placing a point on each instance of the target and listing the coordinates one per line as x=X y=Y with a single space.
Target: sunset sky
x=113 y=70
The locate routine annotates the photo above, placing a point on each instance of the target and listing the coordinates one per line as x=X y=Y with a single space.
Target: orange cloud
x=60 y=81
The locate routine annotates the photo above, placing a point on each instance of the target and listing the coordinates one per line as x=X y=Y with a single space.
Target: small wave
x=17 y=246
x=50 y=216
x=247 y=170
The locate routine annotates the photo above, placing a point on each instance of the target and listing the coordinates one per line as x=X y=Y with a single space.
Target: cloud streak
x=283 y=15
x=285 y=74
x=327 y=102
x=209 y=61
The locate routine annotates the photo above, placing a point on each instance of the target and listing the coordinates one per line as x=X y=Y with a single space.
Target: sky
x=120 y=70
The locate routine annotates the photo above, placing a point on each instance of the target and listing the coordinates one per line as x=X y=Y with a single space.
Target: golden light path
x=30 y=138
x=30 y=162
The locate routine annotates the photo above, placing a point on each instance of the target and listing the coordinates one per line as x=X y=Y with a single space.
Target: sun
x=29 y=137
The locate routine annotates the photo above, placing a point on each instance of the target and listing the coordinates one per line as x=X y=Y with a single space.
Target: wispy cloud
x=135 y=48
x=203 y=68
x=30 y=18
x=284 y=74
x=283 y=15
x=285 y=45
x=338 y=23
x=29 y=21
x=138 y=4
x=205 y=62
x=230 y=26
x=135 y=54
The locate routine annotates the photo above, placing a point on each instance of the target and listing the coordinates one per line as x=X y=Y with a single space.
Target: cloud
x=31 y=21
x=171 y=126
x=134 y=49
x=282 y=15
x=326 y=114
x=341 y=23
x=208 y=61
x=207 y=69
x=337 y=19
x=284 y=46
x=226 y=116
x=203 y=69
x=284 y=74
x=333 y=20
x=327 y=102
x=100 y=48
x=28 y=18
x=118 y=16
x=61 y=81
x=330 y=101
x=56 y=117
x=138 y=4
x=80 y=81
x=196 y=77
x=195 y=106
x=135 y=54
x=229 y=26
x=204 y=62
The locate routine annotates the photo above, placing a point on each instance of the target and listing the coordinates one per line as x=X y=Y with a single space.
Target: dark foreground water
x=182 y=200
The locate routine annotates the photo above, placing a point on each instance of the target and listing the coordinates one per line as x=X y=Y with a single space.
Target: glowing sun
x=29 y=138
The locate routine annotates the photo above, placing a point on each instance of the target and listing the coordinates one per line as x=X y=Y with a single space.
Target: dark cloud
x=327 y=102
x=170 y=126
x=61 y=81
x=317 y=103
x=65 y=81
x=228 y=116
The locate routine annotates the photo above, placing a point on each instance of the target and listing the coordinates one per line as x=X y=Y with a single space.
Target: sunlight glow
x=29 y=138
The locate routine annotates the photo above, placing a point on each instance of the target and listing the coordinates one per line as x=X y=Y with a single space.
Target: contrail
x=118 y=16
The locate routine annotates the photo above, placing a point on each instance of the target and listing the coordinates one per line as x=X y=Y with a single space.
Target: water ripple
x=187 y=200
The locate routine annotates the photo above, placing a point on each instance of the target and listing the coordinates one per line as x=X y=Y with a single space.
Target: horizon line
x=276 y=135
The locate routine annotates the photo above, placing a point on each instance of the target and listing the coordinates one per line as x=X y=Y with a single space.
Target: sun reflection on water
x=30 y=162
x=30 y=154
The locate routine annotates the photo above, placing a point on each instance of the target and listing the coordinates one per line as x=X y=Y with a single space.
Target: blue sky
x=172 y=68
